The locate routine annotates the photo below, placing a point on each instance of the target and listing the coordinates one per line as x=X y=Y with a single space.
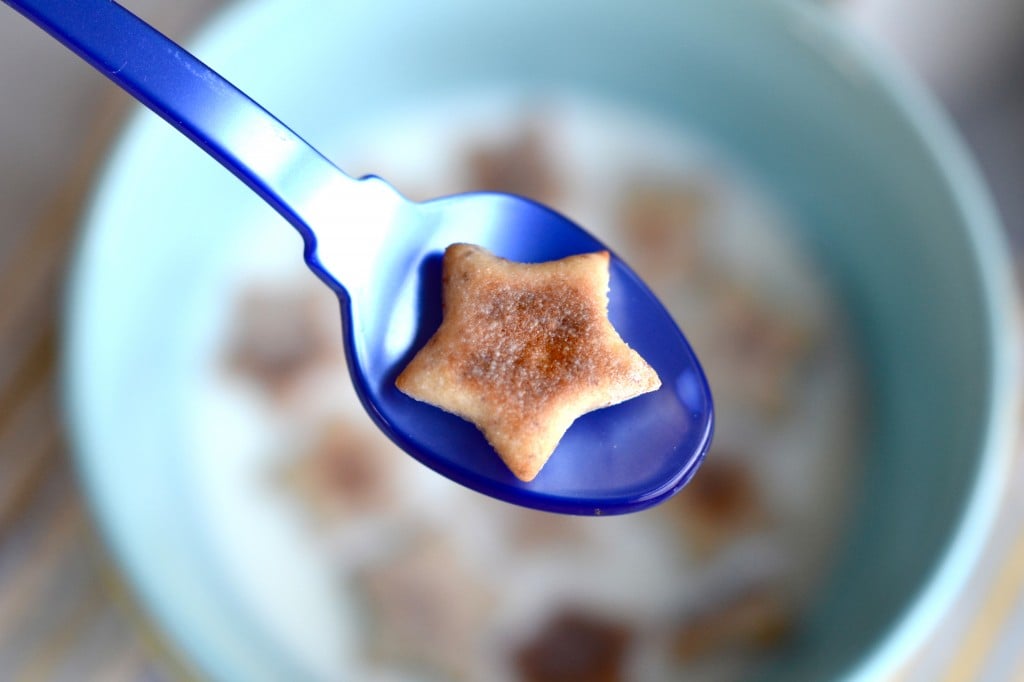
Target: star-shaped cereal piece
x=279 y=339
x=523 y=350
x=427 y=609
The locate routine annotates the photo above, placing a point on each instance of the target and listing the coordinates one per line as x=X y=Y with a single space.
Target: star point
x=523 y=350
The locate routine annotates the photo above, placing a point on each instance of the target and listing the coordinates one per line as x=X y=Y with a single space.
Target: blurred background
x=64 y=613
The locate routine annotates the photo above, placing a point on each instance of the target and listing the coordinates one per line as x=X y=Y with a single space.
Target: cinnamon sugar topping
x=525 y=344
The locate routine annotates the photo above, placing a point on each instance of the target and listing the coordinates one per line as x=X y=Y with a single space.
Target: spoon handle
x=250 y=142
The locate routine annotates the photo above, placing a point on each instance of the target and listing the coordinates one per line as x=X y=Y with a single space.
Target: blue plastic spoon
x=381 y=254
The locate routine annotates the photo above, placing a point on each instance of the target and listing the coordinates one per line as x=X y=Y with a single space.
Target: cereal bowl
x=800 y=204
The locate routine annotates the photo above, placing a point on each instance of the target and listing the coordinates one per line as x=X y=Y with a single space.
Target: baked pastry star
x=523 y=350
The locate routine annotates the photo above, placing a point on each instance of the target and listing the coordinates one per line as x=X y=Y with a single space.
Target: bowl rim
x=935 y=131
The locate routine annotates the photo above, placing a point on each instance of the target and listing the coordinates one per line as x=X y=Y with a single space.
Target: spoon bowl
x=381 y=254
x=621 y=458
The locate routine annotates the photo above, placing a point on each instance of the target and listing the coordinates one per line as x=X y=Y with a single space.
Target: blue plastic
x=620 y=459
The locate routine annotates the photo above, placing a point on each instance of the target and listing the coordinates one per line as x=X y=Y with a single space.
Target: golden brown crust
x=523 y=350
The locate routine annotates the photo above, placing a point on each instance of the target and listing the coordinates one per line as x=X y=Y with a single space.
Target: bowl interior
x=772 y=87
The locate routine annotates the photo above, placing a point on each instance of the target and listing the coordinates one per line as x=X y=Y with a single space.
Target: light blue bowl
x=880 y=188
